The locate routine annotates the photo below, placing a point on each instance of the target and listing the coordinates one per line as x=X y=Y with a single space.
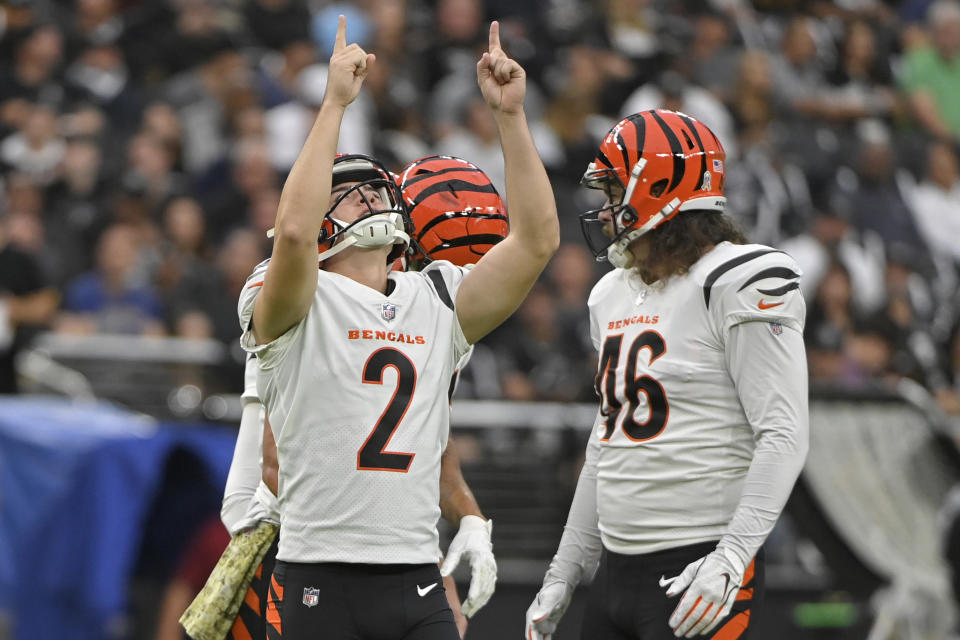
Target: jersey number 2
x=372 y=455
x=632 y=387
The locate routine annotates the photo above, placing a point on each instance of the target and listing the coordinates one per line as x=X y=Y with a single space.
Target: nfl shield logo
x=388 y=311
x=311 y=596
x=776 y=328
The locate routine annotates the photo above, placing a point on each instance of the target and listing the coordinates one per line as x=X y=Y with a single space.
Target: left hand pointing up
x=502 y=81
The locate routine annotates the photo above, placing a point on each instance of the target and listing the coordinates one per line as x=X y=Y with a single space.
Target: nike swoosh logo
x=766 y=305
x=425 y=590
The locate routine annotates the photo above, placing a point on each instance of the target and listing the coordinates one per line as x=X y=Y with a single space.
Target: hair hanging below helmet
x=456 y=211
x=387 y=222
x=653 y=165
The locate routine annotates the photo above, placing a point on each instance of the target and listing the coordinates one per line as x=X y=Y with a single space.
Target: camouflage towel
x=212 y=613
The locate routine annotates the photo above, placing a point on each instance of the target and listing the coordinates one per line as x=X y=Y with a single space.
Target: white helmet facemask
x=369 y=232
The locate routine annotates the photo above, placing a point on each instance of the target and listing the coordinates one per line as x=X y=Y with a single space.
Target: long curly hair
x=678 y=243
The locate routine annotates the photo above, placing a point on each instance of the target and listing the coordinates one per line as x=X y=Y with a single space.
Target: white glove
x=548 y=607
x=712 y=583
x=473 y=541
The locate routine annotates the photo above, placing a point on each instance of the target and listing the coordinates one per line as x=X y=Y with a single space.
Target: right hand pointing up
x=348 y=68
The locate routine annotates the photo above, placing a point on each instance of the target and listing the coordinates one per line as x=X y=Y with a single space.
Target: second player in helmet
x=702 y=426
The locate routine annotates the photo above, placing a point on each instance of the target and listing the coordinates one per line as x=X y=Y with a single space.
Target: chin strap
x=619 y=254
x=378 y=230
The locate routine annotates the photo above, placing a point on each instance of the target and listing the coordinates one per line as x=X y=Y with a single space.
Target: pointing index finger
x=494 y=36
x=341 y=41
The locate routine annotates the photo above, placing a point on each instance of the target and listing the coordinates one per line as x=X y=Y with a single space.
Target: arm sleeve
x=768 y=365
x=244 y=475
x=578 y=554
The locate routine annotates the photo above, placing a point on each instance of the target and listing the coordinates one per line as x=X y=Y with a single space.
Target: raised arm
x=291 y=278
x=501 y=279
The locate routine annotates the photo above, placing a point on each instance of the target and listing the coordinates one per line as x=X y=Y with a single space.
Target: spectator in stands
x=673 y=91
x=206 y=96
x=250 y=173
x=289 y=123
x=37 y=148
x=931 y=73
x=862 y=81
x=76 y=208
x=831 y=238
x=539 y=356
x=830 y=317
x=873 y=199
x=935 y=202
x=115 y=297
x=32 y=77
x=27 y=303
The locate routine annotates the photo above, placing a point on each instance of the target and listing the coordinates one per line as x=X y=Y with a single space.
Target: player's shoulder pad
x=603 y=286
x=256 y=277
x=759 y=274
x=445 y=278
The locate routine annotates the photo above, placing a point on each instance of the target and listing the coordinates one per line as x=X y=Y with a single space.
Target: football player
x=459 y=216
x=702 y=426
x=354 y=363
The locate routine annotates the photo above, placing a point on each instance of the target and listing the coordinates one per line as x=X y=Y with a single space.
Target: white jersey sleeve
x=271 y=352
x=769 y=372
x=760 y=285
x=244 y=474
x=578 y=553
x=759 y=312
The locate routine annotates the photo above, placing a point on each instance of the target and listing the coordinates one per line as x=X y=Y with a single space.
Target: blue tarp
x=76 y=486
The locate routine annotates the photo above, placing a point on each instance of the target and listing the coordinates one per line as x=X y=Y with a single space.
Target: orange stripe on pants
x=239 y=630
x=734 y=627
x=273 y=611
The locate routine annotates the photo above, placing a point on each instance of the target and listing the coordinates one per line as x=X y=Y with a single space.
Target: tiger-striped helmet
x=652 y=165
x=456 y=211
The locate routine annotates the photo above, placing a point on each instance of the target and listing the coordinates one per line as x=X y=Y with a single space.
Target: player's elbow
x=294 y=234
x=542 y=243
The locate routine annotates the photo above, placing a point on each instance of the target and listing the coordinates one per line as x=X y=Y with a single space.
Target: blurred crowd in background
x=144 y=144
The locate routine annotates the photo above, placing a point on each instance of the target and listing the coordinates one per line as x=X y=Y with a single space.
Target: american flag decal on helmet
x=718 y=166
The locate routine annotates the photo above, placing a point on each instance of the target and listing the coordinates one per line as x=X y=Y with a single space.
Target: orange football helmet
x=456 y=211
x=652 y=165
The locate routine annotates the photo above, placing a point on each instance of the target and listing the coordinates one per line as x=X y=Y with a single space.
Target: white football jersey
x=357 y=398
x=674 y=440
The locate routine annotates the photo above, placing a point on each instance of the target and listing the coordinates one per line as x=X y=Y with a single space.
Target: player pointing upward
x=355 y=362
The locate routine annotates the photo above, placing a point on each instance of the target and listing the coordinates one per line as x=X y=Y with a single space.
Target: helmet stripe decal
x=454 y=185
x=466 y=241
x=622 y=145
x=459 y=214
x=640 y=123
x=417 y=178
x=703 y=152
x=679 y=163
x=603 y=158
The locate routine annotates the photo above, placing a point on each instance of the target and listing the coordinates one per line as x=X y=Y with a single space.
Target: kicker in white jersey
x=674 y=440
x=359 y=434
